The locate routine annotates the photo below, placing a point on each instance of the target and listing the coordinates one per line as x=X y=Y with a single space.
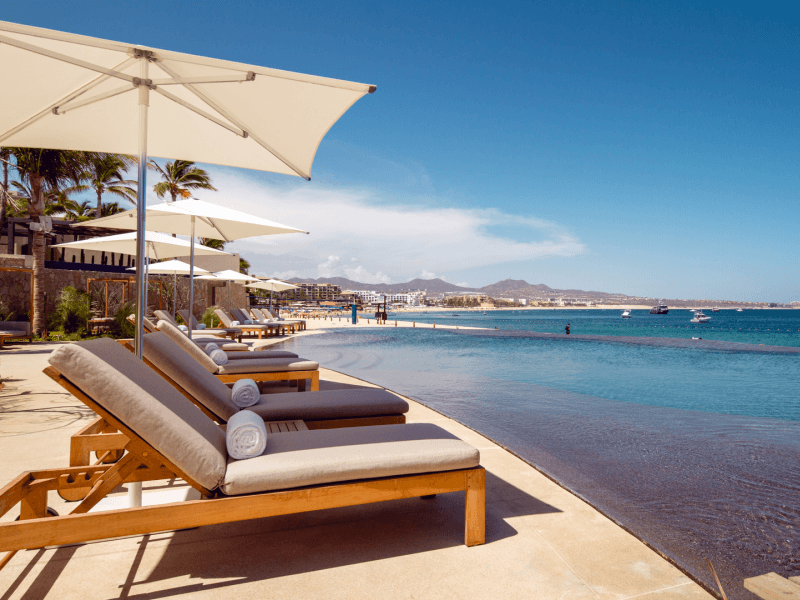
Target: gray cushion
x=305 y=458
x=329 y=404
x=259 y=354
x=160 y=349
x=270 y=365
x=130 y=390
x=223 y=316
x=188 y=346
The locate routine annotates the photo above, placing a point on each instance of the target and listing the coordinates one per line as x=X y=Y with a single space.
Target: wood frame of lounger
x=143 y=462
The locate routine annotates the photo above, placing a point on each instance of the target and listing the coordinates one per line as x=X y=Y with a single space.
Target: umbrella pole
x=141 y=202
x=174 y=293
x=191 y=282
x=135 y=488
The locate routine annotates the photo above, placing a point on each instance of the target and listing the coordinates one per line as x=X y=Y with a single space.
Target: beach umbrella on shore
x=83 y=93
x=273 y=285
x=157 y=246
x=174 y=268
x=198 y=218
x=230 y=276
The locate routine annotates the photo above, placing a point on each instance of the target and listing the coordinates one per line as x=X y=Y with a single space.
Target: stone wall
x=15 y=289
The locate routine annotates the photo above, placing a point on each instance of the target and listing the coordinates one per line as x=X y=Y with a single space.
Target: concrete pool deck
x=541 y=540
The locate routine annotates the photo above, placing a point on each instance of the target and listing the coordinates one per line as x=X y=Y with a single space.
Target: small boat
x=739 y=310
x=484 y=313
x=660 y=309
x=700 y=318
x=455 y=315
x=715 y=309
x=626 y=314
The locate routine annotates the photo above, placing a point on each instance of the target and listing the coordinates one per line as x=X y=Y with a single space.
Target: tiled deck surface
x=541 y=541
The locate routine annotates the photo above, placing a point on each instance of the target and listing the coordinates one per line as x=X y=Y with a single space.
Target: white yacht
x=626 y=314
x=739 y=310
x=699 y=317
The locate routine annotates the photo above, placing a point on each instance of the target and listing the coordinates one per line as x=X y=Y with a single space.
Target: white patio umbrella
x=198 y=218
x=174 y=268
x=273 y=285
x=157 y=245
x=229 y=276
x=83 y=93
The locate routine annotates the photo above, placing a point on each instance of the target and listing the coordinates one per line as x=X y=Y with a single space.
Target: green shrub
x=72 y=309
x=209 y=317
x=121 y=327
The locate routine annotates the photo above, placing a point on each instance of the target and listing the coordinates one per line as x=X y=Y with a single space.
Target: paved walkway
x=541 y=541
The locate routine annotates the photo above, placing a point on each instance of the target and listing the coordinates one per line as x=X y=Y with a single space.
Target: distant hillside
x=434 y=286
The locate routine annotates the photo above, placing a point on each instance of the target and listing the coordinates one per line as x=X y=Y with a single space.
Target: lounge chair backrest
x=240 y=315
x=273 y=312
x=165 y=316
x=184 y=370
x=149 y=326
x=260 y=315
x=223 y=316
x=188 y=346
x=136 y=395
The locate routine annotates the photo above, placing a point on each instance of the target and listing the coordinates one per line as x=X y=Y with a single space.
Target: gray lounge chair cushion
x=305 y=458
x=270 y=365
x=134 y=393
x=329 y=404
x=260 y=354
x=161 y=350
x=188 y=346
x=232 y=347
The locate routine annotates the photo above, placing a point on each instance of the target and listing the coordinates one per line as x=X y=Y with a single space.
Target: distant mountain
x=434 y=286
x=518 y=287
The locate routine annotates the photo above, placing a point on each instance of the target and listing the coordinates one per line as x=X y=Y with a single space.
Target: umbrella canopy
x=173 y=267
x=211 y=221
x=76 y=92
x=228 y=275
x=158 y=245
x=273 y=285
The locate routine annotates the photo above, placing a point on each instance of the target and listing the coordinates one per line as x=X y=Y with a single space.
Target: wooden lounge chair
x=232 y=332
x=169 y=437
x=274 y=369
x=258 y=317
x=267 y=313
x=259 y=329
x=318 y=410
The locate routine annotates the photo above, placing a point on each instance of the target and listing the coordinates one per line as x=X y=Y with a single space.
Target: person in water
x=567 y=328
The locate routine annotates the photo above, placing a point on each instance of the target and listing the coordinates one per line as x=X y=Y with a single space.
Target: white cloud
x=393 y=241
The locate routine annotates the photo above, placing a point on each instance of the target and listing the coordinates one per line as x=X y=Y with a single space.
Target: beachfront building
x=315 y=292
x=407 y=298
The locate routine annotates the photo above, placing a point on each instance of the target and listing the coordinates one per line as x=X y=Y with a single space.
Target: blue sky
x=637 y=147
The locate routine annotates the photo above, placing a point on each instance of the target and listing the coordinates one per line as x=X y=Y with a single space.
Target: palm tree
x=44 y=171
x=179 y=178
x=111 y=208
x=104 y=173
x=5 y=155
x=212 y=243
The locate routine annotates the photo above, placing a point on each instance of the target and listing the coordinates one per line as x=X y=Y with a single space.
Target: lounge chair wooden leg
x=315 y=381
x=475 y=508
x=112 y=478
x=33 y=505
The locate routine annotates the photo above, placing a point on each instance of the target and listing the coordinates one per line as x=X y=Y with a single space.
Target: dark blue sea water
x=696 y=451
x=770 y=327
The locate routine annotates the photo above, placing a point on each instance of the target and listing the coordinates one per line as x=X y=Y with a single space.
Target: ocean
x=696 y=450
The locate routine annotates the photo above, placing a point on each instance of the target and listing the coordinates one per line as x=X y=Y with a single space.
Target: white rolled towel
x=246 y=435
x=211 y=347
x=248 y=322
x=235 y=323
x=219 y=357
x=183 y=328
x=245 y=393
